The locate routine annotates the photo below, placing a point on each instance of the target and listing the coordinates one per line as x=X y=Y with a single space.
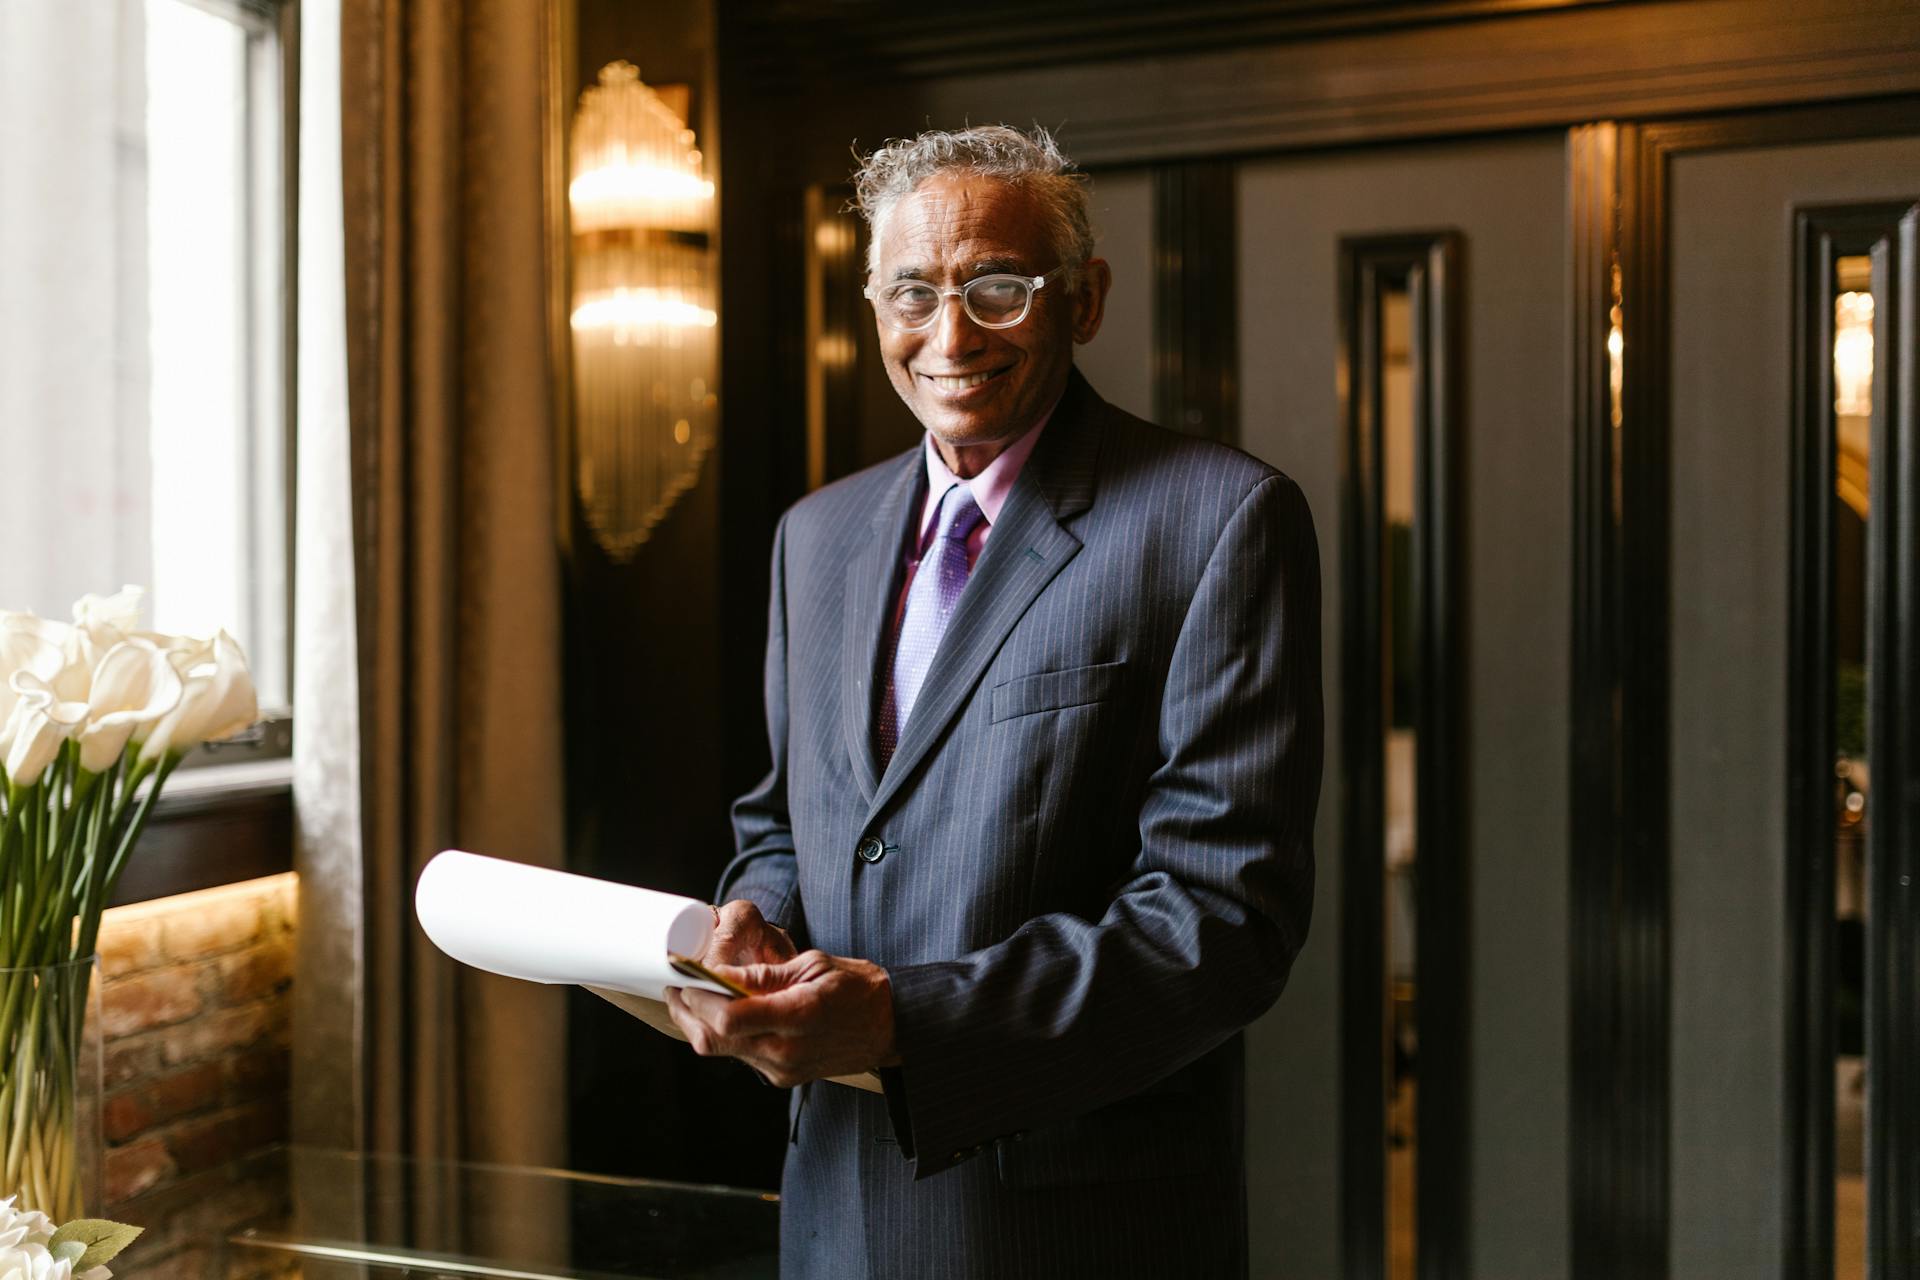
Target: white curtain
x=75 y=505
x=329 y=1101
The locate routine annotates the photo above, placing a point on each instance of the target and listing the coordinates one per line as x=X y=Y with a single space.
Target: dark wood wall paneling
x=1430 y=267
x=1620 y=823
x=1192 y=82
x=1196 y=343
x=1617 y=1080
x=837 y=315
x=200 y=839
x=798 y=42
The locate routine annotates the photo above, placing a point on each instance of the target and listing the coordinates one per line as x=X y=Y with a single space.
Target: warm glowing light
x=834 y=348
x=285 y=884
x=1616 y=365
x=636 y=315
x=621 y=195
x=643 y=321
x=832 y=238
x=634 y=162
x=1853 y=355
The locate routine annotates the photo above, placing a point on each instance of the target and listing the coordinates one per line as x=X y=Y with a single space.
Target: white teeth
x=960 y=383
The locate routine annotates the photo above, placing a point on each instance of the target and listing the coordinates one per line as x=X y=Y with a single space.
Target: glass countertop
x=297 y=1211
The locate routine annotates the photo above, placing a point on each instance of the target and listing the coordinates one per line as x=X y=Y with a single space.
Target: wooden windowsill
x=212 y=826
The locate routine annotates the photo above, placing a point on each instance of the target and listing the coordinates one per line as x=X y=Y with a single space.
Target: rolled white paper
x=552 y=926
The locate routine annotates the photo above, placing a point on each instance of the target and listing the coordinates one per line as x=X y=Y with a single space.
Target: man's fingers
x=783 y=1013
x=741 y=935
x=773 y=977
x=756 y=977
x=684 y=1018
x=702 y=1016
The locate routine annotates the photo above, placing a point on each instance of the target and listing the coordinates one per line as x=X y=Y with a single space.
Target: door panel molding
x=1196 y=306
x=1431 y=266
x=1822 y=236
x=1618 y=998
x=1621 y=836
x=1884 y=233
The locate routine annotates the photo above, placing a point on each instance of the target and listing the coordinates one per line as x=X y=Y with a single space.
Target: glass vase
x=50 y=1087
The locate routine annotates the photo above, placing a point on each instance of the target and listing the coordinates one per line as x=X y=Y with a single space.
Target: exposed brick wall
x=195 y=1008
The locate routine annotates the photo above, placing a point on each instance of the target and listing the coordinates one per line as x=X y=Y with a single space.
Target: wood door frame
x=1433 y=264
x=1620 y=827
x=1886 y=231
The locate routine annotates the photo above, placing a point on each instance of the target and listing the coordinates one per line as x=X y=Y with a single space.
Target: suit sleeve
x=763 y=869
x=1067 y=1014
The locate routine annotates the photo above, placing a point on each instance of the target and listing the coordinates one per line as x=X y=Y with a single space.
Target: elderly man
x=1044 y=701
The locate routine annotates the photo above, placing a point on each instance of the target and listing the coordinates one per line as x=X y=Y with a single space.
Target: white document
x=552 y=926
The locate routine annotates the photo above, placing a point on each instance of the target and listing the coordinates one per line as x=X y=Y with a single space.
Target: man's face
x=966 y=384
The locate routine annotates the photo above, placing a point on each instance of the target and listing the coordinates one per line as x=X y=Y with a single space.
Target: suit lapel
x=1029 y=545
x=869 y=613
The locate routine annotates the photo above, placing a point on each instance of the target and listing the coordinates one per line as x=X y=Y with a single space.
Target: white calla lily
x=69 y=819
x=174 y=644
x=52 y=630
x=118 y=612
x=134 y=686
x=217 y=699
x=101 y=622
x=70 y=678
x=40 y=723
x=25 y=647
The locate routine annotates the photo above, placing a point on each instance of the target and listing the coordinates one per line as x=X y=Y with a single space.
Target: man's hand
x=742 y=936
x=812 y=1016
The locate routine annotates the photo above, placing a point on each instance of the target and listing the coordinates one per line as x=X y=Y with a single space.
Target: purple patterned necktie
x=936 y=588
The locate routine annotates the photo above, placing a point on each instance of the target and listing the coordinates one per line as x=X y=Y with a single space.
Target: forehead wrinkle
x=959 y=229
x=973 y=270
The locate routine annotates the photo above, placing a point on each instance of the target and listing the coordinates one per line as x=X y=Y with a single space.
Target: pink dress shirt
x=990 y=489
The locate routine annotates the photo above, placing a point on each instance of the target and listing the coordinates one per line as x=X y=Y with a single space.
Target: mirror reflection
x=1400 y=644
x=1852 y=420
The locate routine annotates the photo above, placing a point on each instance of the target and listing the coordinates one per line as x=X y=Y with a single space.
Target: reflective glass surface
x=1399 y=646
x=1852 y=816
x=326 y=1214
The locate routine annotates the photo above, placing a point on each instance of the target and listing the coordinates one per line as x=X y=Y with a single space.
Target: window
x=145 y=411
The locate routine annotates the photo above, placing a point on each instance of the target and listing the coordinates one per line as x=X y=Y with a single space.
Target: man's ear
x=1090 y=299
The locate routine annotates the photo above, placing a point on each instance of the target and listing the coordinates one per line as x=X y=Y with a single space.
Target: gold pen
x=691 y=968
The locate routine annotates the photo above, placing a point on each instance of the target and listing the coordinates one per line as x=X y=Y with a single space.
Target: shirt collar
x=992 y=486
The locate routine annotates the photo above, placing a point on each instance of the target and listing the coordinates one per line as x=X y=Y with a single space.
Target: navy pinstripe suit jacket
x=1096 y=854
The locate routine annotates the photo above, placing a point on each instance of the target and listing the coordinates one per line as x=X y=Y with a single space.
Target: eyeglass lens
x=994 y=301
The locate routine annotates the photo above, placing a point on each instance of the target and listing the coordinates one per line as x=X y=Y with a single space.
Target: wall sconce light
x=1853 y=355
x=642 y=318
x=1853 y=388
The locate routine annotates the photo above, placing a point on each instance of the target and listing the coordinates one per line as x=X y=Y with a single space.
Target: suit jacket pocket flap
x=1052 y=690
x=1130 y=1141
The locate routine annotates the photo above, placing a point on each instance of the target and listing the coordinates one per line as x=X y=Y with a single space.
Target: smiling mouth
x=961 y=382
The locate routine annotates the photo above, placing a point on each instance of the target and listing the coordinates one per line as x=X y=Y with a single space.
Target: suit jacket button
x=870 y=850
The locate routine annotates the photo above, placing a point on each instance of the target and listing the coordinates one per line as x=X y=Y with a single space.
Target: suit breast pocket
x=1055 y=690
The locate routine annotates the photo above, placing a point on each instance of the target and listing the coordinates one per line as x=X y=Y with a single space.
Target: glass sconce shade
x=643 y=320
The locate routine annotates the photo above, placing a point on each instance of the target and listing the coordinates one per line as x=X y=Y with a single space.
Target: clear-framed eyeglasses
x=992 y=302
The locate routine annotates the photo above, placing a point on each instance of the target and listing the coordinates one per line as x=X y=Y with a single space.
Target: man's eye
x=998 y=293
x=914 y=297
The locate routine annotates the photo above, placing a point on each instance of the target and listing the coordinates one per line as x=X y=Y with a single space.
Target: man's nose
x=955 y=333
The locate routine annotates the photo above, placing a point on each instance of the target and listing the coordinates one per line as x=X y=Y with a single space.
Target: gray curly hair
x=1031 y=161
